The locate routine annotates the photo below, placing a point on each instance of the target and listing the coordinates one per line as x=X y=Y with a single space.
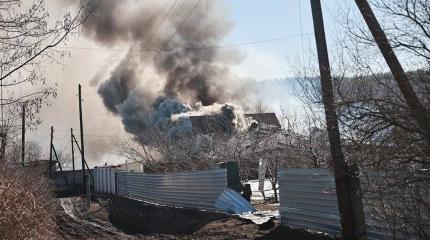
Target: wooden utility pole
x=419 y=112
x=50 y=151
x=82 y=139
x=347 y=182
x=73 y=154
x=23 y=136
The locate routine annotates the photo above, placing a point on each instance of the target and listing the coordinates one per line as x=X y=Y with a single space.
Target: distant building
x=263 y=118
x=129 y=166
x=207 y=124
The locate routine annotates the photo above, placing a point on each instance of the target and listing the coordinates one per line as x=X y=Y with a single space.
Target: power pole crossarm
x=419 y=112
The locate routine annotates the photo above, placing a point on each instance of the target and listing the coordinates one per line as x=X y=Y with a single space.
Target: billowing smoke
x=170 y=62
x=226 y=118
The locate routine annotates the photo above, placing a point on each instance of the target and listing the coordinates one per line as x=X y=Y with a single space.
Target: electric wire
x=231 y=45
x=174 y=34
x=301 y=28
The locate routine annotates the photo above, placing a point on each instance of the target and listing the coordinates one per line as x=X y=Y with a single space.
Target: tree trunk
x=419 y=112
x=3 y=137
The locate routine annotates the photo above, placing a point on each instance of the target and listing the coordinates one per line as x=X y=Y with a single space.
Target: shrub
x=26 y=204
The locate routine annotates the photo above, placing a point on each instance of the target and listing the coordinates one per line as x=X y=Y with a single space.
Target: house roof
x=218 y=124
x=266 y=118
x=210 y=124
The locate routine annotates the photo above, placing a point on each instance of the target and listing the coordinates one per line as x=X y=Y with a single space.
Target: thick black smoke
x=168 y=62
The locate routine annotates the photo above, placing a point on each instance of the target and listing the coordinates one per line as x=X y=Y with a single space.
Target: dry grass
x=26 y=205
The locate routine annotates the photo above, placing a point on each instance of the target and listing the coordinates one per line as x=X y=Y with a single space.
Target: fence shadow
x=284 y=232
x=135 y=217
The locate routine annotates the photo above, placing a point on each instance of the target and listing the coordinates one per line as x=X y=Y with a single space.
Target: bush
x=26 y=204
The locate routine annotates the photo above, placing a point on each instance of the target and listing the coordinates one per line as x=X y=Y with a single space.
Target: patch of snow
x=69 y=207
x=260 y=217
x=68 y=204
x=256 y=194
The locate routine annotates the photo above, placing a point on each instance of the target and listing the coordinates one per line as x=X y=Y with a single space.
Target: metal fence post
x=233 y=177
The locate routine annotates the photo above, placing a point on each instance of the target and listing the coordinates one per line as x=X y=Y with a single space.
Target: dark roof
x=266 y=118
x=210 y=124
x=219 y=124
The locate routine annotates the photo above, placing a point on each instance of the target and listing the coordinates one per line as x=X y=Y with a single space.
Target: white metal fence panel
x=308 y=200
x=197 y=189
x=104 y=180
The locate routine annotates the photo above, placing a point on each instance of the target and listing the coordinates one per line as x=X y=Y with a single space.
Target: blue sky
x=254 y=20
x=258 y=20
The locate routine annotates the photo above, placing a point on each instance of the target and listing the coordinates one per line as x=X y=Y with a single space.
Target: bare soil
x=122 y=218
x=268 y=205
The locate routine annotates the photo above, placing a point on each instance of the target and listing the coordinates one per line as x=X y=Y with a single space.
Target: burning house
x=254 y=120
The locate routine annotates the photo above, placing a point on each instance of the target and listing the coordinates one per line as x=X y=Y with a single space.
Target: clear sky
x=258 y=20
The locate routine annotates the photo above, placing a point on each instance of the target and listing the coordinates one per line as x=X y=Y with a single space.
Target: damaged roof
x=217 y=124
x=210 y=124
x=266 y=118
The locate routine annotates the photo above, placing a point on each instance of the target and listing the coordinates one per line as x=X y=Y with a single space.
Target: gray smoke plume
x=226 y=118
x=169 y=61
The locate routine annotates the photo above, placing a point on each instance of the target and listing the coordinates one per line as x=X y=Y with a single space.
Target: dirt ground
x=121 y=218
x=268 y=205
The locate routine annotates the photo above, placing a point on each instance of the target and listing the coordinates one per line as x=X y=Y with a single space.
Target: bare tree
x=208 y=144
x=33 y=151
x=379 y=132
x=164 y=152
x=419 y=113
x=28 y=38
x=26 y=210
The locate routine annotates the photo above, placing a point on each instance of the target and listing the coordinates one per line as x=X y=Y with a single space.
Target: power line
x=198 y=48
x=301 y=27
x=183 y=21
x=174 y=34
x=161 y=23
x=248 y=43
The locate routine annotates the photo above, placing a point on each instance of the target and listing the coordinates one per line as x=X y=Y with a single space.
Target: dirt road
x=121 y=218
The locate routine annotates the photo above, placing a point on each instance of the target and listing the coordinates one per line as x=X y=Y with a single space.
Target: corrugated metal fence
x=197 y=189
x=67 y=178
x=104 y=180
x=308 y=200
